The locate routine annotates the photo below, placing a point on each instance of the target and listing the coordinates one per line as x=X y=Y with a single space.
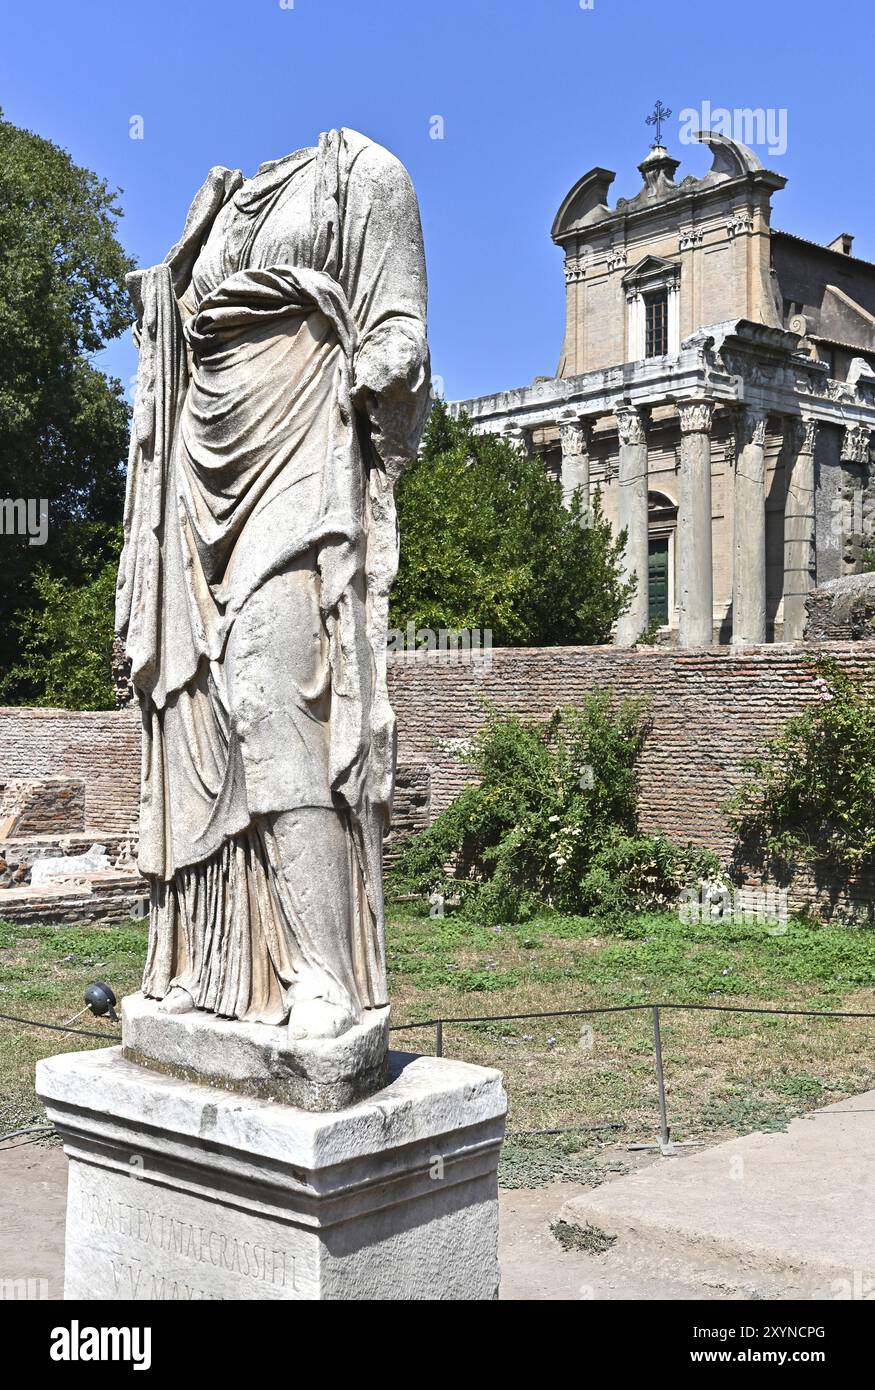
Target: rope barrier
x=665 y=1144
x=521 y=1018
x=59 y=1027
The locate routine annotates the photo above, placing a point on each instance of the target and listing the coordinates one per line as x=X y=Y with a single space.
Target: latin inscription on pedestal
x=133 y=1239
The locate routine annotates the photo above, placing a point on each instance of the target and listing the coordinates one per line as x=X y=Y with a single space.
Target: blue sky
x=531 y=96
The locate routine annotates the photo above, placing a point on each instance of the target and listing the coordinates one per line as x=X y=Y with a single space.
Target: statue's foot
x=178 y=1001
x=317 y=1018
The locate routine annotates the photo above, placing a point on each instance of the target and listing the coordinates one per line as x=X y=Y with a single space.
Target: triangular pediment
x=651 y=268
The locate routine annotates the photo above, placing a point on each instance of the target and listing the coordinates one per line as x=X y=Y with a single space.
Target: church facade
x=717 y=386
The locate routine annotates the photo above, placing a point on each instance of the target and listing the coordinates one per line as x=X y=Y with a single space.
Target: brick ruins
x=711 y=708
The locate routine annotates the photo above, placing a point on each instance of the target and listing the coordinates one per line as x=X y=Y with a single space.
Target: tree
x=66 y=638
x=63 y=423
x=487 y=544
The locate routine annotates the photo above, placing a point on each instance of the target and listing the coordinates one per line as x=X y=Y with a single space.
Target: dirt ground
x=33 y=1203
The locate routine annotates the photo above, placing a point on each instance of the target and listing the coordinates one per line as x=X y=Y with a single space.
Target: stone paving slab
x=798 y=1205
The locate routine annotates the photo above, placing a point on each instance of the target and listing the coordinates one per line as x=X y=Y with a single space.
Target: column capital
x=630 y=424
x=752 y=422
x=803 y=434
x=695 y=416
x=574 y=436
x=856 y=442
x=576 y=267
x=520 y=437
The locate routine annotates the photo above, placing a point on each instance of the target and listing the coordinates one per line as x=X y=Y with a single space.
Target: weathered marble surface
x=282 y=388
x=182 y=1191
x=257 y=1059
x=244 y=1143
x=73 y=868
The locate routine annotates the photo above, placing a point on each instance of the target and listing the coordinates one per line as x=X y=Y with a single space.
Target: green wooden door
x=658 y=574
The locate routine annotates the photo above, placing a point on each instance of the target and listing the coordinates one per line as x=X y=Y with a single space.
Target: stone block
x=256 y=1059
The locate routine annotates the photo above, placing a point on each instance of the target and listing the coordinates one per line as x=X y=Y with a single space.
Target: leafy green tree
x=487 y=544
x=66 y=637
x=63 y=423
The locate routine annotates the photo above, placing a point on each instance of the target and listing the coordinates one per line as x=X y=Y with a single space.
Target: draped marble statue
x=282 y=388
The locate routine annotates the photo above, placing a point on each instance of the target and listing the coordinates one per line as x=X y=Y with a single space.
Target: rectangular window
x=656 y=324
x=658 y=579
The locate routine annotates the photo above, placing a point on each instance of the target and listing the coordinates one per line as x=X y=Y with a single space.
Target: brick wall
x=104 y=749
x=710 y=709
x=42 y=805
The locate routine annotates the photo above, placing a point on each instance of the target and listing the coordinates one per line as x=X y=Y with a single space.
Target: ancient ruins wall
x=103 y=749
x=710 y=710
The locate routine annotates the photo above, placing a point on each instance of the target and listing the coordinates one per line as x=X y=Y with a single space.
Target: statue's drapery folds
x=282 y=388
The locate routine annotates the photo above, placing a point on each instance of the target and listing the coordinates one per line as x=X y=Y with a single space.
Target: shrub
x=810 y=797
x=642 y=873
x=555 y=800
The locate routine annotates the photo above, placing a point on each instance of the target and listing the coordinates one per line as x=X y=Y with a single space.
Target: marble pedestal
x=180 y=1190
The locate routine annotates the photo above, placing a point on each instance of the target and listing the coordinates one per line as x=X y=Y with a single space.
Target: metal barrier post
x=439 y=1038
x=664 y=1138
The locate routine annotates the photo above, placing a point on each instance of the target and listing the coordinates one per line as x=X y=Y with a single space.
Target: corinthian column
x=696 y=582
x=632 y=517
x=799 y=536
x=520 y=437
x=749 y=559
x=574 y=436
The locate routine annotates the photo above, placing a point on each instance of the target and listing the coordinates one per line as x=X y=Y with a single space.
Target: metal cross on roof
x=660 y=113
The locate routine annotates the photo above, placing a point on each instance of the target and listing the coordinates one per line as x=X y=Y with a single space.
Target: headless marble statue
x=282 y=388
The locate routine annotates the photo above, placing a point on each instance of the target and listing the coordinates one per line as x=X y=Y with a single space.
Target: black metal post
x=660 y=1078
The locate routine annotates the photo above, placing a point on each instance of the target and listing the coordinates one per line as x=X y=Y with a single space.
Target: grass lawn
x=725 y=1073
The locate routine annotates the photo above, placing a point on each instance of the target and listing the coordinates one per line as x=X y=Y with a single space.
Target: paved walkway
x=33 y=1183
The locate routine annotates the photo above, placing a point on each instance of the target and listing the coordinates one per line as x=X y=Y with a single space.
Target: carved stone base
x=185 y=1191
x=257 y=1059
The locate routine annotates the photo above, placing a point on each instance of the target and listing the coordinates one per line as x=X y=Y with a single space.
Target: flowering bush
x=554 y=806
x=810 y=797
